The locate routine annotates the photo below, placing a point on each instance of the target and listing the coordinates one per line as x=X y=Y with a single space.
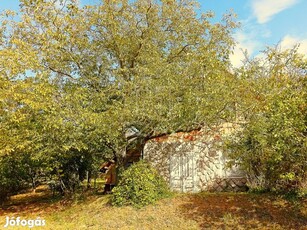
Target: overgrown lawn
x=183 y=211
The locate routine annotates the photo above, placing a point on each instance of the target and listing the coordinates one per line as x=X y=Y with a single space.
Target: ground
x=182 y=211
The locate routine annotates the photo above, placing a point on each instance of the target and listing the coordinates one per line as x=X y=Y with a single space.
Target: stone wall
x=194 y=161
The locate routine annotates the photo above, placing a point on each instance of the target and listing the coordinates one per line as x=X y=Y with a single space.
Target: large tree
x=158 y=65
x=74 y=78
x=271 y=144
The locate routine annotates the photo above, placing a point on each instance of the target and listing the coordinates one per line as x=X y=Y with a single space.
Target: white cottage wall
x=194 y=162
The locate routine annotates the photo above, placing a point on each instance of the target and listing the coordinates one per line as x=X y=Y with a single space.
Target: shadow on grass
x=42 y=200
x=242 y=211
x=32 y=203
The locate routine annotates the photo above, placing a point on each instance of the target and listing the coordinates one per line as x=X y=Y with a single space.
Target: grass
x=183 y=211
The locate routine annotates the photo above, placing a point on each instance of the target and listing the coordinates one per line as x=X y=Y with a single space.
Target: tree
x=272 y=142
x=77 y=77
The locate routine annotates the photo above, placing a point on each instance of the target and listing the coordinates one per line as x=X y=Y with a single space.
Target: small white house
x=194 y=161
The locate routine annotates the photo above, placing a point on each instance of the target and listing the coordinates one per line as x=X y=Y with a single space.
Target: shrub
x=15 y=174
x=139 y=185
x=271 y=145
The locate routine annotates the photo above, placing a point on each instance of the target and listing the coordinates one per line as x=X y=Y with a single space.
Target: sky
x=263 y=23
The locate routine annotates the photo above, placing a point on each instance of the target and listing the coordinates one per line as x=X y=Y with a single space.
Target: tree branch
x=60 y=72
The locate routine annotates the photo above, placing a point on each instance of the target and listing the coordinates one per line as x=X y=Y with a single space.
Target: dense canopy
x=73 y=79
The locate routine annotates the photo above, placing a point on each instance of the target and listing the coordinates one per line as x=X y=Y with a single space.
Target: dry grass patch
x=185 y=211
x=244 y=211
x=99 y=214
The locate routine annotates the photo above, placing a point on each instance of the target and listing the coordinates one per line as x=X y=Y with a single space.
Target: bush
x=139 y=185
x=15 y=174
x=271 y=143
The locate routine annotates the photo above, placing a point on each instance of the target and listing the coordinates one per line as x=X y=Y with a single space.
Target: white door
x=182 y=173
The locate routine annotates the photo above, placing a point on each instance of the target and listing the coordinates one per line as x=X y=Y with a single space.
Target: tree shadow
x=41 y=200
x=241 y=211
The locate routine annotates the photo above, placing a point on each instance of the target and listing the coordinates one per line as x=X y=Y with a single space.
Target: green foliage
x=17 y=172
x=92 y=71
x=272 y=142
x=154 y=64
x=139 y=185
